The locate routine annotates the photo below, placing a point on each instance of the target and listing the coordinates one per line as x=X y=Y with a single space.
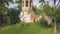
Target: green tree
x=53 y=12
x=55 y=16
x=8 y=15
x=37 y=11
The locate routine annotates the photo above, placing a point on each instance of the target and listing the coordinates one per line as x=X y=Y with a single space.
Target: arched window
x=26 y=3
x=30 y=2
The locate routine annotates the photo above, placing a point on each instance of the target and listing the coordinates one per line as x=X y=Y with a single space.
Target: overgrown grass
x=26 y=28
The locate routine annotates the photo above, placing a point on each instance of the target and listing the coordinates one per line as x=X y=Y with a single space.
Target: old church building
x=27 y=14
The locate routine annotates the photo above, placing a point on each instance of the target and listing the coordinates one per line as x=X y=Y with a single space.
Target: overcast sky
x=35 y=3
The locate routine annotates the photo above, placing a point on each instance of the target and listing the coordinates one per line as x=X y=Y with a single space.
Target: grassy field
x=26 y=28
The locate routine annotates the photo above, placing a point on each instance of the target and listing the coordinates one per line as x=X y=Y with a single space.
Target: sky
x=35 y=3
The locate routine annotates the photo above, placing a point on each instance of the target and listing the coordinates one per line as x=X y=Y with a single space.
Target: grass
x=26 y=28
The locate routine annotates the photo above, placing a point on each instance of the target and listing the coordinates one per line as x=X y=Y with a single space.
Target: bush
x=44 y=23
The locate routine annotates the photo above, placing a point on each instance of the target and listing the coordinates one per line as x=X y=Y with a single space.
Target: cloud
x=11 y=5
x=35 y=2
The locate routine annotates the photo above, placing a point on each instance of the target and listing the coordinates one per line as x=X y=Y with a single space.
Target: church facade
x=27 y=14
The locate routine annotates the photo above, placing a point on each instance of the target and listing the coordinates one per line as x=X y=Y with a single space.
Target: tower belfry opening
x=27 y=14
x=26 y=3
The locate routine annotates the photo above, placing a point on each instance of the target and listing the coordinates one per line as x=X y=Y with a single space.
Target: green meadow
x=27 y=28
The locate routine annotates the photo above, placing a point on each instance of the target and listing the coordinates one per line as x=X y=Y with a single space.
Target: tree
x=2 y=2
x=43 y=1
x=37 y=11
x=8 y=15
x=55 y=16
x=53 y=12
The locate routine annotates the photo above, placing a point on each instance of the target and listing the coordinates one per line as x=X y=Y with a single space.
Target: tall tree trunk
x=55 y=28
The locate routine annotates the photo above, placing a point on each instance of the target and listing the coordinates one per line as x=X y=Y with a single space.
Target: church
x=27 y=14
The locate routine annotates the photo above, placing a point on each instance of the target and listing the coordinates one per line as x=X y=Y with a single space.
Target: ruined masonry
x=27 y=14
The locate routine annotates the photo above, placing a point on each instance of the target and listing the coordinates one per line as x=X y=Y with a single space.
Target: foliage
x=37 y=11
x=19 y=1
x=3 y=2
x=7 y=15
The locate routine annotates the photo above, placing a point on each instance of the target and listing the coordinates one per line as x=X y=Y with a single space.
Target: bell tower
x=27 y=14
x=26 y=5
